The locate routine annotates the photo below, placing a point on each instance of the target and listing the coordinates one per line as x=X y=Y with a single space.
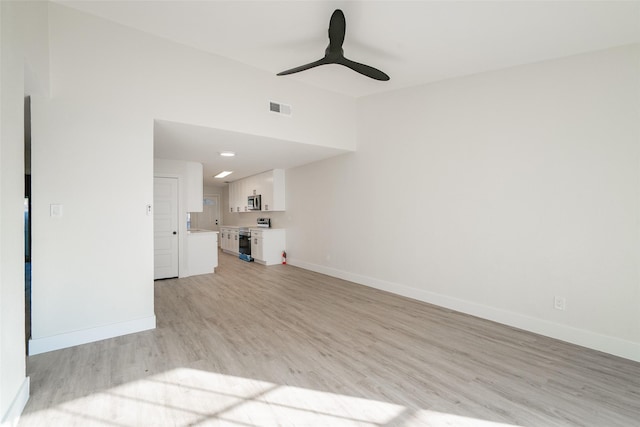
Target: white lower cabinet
x=267 y=245
x=224 y=232
x=234 y=246
x=229 y=242
x=223 y=238
x=256 y=245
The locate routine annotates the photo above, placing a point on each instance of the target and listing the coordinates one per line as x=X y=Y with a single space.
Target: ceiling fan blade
x=334 y=53
x=337 y=29
x=366 y=70
x=322 y=61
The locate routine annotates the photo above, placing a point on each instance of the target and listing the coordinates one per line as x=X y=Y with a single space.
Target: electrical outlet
x=55 y=211
x=560 y=303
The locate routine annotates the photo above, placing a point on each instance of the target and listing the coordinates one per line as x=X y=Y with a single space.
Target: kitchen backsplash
x=249 y=219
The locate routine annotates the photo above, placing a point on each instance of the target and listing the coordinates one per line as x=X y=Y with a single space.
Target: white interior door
x=209 y=218
x=165 y=228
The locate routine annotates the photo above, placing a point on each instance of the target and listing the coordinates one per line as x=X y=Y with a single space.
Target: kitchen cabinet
x=232 y=196
x=267 y=245
x=202 y=252
x=254 y=184
x=273 y=198
x=223 y=237
x=238 y=196
x=242 y=197
x=256 y=245
x=235 y=197
x=242 y=200
x=229 y=242
x=226 y=245
x=194 y=183
x=234 y=247
x=270 y=185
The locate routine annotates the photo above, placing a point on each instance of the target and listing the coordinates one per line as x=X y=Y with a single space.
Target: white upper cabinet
x=247 y=190
x=194 y=186
x=270 y=185
x=254 y=184
x=233 y=190
x=267 y=191
x=277 y=202
x=273 y=190
x=238 y=196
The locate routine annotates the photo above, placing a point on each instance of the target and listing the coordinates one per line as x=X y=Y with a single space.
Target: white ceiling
x=415 y=42
x=254 y=154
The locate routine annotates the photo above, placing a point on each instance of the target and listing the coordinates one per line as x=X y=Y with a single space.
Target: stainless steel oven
x=244 y=241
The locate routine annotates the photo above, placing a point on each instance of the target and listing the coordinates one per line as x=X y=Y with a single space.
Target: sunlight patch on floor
x=191 y=397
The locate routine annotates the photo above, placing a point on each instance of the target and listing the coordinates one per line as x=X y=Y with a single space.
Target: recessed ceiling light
x=223 y=174
x=227 y=153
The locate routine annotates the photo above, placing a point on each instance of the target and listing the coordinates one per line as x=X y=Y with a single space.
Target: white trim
x=605 y=343
x=84 y=336
x=12 y=416
x=182 y=225
x=219 y=196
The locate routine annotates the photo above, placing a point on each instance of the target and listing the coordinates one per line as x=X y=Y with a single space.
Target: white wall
x=491 y=194
x=12 y=363
x=211 y=190
x=23 y=71
x=519 y=184
x=92 y=152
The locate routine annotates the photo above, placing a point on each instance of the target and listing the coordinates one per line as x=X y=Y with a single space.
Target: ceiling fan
x=334 y=53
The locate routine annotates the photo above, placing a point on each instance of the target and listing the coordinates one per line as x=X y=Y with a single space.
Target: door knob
x=175 y=232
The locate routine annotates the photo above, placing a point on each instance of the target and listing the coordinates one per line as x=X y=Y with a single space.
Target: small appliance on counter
x=264 y=222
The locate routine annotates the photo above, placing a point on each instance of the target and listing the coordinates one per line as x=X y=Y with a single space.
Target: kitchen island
x=202 y=251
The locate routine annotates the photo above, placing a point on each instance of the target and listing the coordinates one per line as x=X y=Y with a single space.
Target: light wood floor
x=257 y=346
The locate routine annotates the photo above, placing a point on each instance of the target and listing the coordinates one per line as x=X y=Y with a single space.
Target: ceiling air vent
x=279 y=108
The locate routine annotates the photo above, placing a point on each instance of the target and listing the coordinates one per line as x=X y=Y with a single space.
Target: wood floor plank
x=254 y=345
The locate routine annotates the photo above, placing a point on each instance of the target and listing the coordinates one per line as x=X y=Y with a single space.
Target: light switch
x=148 y=210
x=55 y=211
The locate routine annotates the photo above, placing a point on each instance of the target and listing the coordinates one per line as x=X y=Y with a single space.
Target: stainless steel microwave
x=254 y=203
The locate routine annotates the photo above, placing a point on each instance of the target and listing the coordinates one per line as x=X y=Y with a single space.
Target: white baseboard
x=607 y=344
x=84 y=336
x=11 y=418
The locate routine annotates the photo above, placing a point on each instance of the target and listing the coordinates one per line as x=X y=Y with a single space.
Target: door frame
x=182 y=219
x=219 y=197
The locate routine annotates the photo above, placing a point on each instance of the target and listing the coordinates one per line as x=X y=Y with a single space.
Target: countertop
x=250 y=227
x=199 y=230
